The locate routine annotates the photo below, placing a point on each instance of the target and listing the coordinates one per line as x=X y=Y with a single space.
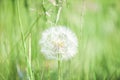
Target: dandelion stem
x=59 y=67
x=70 y=69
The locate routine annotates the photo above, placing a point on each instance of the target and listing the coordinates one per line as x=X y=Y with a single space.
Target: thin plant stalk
x=47 y=69
x=69 y=69
x=20 y=24
x=26 y=34
x=81 y=26
x=59 y=67
x=59 y=9
x=30 y=74
x=58 y=14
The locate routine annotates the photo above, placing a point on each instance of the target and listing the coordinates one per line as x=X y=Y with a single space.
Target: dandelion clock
x=58 y=43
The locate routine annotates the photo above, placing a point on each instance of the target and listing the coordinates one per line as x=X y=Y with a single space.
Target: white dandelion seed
x=58 y=40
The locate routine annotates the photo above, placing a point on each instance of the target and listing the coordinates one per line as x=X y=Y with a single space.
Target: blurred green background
x=95 y=22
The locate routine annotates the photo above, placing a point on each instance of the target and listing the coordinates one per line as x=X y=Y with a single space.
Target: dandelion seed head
x=58 y=40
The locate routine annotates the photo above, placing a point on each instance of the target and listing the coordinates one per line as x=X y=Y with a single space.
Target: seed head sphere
x=58 y=40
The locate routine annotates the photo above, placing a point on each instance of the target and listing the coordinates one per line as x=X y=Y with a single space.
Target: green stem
x=29 y=59
x=59 y=67
x=20 y=24
x=70 y=69
x=29 y=66
x=58 y=15
x=59 y=8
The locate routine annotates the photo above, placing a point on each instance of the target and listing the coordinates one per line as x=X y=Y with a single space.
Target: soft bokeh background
x=95 y=22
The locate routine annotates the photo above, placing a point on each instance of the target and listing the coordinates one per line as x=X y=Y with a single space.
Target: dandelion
x=58 y=41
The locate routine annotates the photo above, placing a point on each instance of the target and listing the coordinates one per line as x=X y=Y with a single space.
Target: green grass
x=95 y=22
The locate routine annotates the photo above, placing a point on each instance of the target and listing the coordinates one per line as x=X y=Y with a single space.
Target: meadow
x=96 y=24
